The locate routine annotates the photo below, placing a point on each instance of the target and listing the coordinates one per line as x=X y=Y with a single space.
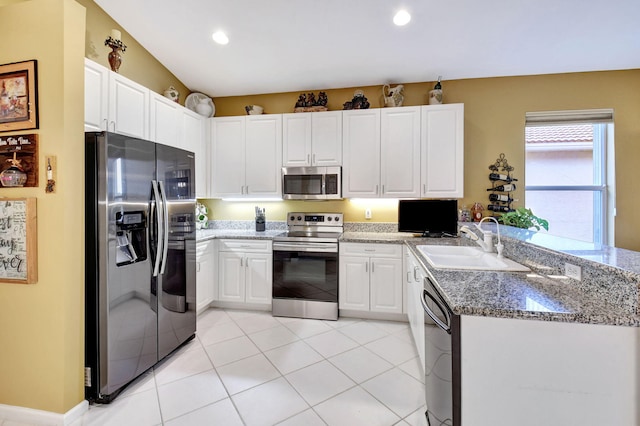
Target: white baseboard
x=39 y=417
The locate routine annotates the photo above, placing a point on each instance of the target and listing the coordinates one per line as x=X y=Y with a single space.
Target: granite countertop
x=544 y=296
x=524 y=295
x=242 y=234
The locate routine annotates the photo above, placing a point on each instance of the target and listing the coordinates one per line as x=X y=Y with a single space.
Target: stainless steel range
x=305 y=266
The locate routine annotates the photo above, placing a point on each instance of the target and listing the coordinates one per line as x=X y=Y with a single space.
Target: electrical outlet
x=573 y=271
x=367 y=214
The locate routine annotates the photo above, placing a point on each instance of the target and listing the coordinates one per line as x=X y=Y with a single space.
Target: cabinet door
x=386 y=285
x=296 y=139
x=442 y=159
x=192 y=138
x=96 y=96
x=263 y=155
x=326 y=138
x=231 y=267
x=205 y=274
x=361 y=153
x=353 y=291
x=227 y=156
x=258 y=278
x=164 y=125
x=400 y=152
x=128 y=107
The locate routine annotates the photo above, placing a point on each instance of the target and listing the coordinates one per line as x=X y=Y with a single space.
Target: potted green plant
x=523 y=218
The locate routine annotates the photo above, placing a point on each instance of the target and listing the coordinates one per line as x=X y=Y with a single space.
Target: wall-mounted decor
x=19 y=160
x=18 y=96
x=18 y=240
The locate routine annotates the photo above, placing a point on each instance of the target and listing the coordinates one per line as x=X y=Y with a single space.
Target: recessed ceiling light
x=220 y=37
x=401 y=18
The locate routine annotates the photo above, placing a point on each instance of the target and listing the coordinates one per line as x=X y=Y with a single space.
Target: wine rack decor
x=502 y=185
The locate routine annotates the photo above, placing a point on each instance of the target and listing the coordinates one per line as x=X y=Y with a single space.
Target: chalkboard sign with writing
x=18 y=253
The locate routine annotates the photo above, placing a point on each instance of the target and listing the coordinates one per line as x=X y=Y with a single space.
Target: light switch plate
x=573 y=271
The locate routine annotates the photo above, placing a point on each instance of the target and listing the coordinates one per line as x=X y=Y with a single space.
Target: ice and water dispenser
x=131 y=243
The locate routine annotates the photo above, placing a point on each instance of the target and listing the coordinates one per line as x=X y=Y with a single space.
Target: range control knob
x=292 y=218
x=337 y=219
x=329 y=218
x=299 y=217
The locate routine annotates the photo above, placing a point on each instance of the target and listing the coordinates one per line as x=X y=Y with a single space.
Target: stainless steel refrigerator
x=140 y=258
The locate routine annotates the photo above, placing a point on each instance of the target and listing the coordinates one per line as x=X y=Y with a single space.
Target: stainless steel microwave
x=312 y=183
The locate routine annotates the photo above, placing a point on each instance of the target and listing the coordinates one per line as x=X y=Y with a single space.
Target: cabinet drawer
x=261 y=246
x=371 y=250
x=203 y=247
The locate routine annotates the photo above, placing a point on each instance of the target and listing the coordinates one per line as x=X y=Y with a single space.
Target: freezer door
x=176 y=282
x=121 y=307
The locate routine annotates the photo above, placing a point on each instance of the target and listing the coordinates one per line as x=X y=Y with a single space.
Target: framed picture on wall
x=18 y=96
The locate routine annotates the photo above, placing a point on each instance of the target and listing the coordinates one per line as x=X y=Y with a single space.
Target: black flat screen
x=429 y=217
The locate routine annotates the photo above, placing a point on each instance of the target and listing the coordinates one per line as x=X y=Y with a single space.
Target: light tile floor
x=249 y=368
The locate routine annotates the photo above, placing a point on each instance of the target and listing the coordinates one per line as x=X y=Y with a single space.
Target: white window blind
x=542 y=118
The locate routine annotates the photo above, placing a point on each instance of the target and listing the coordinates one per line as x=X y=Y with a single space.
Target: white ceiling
x=300 y=45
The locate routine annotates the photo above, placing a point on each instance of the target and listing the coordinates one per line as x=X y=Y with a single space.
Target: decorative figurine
x=311 y=100
x=322 y=99
x=393 y=96
x=359 y=101
x=435 y=95
x=302 y=101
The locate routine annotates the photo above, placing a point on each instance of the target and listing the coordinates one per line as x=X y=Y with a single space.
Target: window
x=569 y=173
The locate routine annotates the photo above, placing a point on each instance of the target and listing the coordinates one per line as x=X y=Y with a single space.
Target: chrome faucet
x=487 y=242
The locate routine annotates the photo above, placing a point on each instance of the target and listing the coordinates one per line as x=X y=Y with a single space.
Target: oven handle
x=307 y=247
x=432 y=315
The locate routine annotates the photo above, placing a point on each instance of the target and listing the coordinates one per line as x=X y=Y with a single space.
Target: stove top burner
x=313 y=227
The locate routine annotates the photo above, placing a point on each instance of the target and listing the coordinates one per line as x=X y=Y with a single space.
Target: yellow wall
x=41 y=325
x=137 y=63
x=494 y=124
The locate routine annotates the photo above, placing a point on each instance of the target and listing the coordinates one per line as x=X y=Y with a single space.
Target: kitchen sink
x=465 y=257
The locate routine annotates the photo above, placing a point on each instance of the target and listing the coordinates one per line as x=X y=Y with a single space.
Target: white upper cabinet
x=442 y=159
x=193 y=138
x=96 y=96
x=164 y=116
x=246 y=156
x=114 y=103
x=312 y=139
x=128 y=107
x=381 y=153
x=361 y=153
x=400 y=152
x=263 y=153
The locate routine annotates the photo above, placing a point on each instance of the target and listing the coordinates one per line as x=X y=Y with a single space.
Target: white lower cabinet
x=205 y=274
x=370 y=277
x=245 y=271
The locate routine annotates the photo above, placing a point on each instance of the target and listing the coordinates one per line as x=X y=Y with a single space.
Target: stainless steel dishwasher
x=442 y=358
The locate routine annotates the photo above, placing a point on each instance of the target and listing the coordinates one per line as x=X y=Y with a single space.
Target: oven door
x=307 y=271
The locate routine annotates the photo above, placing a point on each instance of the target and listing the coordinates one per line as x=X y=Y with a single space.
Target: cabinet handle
x=382 y=189
x=241 y=264
x=424 y=188
x=415 y=273
x=106 y=124
x=247 y=189
x=114 y=126
x=308 y=159
x=376 y=189
x=373 y=267
x=314 y=160
x=370 y=250
x=197 y=266
x=366 y=267
x=246 y=262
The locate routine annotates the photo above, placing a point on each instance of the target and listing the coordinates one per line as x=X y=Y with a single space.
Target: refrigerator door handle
x=165 y=227
x=160 y=227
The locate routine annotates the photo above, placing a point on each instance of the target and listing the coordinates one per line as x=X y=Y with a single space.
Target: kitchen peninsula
x=544 y=344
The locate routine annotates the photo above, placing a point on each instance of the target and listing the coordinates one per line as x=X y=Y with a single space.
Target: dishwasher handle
x=432 y=315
